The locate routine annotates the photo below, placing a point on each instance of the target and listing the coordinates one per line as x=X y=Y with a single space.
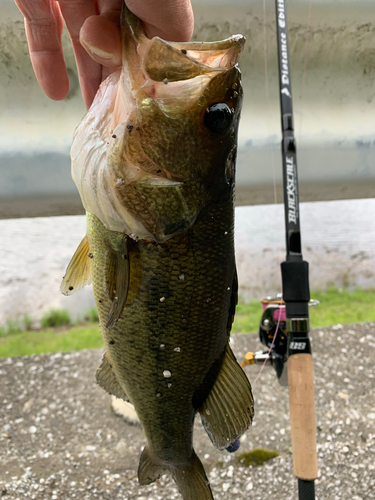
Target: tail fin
x=191 y=479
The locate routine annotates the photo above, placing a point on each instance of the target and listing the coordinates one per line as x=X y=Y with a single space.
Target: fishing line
x=307 y=40
x=269 y=351
x=267 y=95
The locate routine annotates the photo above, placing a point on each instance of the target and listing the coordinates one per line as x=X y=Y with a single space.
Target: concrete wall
x=333 y=86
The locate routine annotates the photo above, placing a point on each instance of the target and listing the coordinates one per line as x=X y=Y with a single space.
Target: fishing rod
x=295 y=285
x=284 y=325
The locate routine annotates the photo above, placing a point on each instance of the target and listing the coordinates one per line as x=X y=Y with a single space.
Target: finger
x=75 y=12
x=43 y=26
x=169 y=19
x=102 y=40
x=103 y=33
x=111 y=9
x=101 y=37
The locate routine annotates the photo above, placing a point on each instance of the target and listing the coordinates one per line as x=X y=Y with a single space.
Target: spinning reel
x=274 y=335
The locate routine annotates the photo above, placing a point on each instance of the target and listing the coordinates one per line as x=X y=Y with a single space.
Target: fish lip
x=181 y=60
x=234 y=41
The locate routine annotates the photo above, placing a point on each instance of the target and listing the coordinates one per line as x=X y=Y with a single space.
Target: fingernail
x=96 y=51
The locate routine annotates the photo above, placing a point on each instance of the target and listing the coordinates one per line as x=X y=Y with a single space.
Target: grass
x=91 y=315
x=247 y=317
x=76 y=338
x=16 y=339
x=336 y=306
x=13 y=326
x=55 y=318
x=343 y=306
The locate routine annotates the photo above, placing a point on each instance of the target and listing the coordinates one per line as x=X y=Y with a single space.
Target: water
x=348 y=225
x=34 y=254
x=338 y=240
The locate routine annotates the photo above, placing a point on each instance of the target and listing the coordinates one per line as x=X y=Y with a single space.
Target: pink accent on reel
x=279 y=314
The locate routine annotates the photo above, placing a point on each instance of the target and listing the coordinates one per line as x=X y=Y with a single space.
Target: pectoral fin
x=229 y=408
x=108 y=381
x=78 y=272
x=117 y=281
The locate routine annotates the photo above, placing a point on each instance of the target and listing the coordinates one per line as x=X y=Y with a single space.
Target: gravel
x=59 y=439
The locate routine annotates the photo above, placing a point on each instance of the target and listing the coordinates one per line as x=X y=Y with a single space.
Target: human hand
x=94 y=30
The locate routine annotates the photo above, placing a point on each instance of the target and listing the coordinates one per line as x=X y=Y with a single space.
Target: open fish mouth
x=154 y=62
x=124 y=158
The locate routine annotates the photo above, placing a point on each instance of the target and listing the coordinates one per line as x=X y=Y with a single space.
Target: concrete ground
x=59 y=439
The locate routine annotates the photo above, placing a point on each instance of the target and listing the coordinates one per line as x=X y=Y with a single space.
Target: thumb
x=102 y=40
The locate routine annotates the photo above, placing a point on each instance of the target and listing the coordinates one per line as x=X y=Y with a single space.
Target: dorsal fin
x=78 y=272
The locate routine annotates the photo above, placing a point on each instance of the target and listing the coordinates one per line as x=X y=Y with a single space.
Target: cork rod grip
x=302 y=416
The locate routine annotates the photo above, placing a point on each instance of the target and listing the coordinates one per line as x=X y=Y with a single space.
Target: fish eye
x=218 y=118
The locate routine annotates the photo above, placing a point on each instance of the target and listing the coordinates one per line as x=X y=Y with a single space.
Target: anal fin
x=108 y=381
x=148 y=470
x=229 y=408
x=117 y=281
x=78 y=272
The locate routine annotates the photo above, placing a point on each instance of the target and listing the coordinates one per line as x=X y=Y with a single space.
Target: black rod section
x=288 y=144
x=296 y=293
x=306 y=490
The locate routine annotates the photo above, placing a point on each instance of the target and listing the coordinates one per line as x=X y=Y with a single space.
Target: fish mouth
x=163 y=70
x=180 y=60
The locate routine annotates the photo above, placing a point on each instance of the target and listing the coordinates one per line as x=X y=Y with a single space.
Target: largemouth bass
x=154 y=162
